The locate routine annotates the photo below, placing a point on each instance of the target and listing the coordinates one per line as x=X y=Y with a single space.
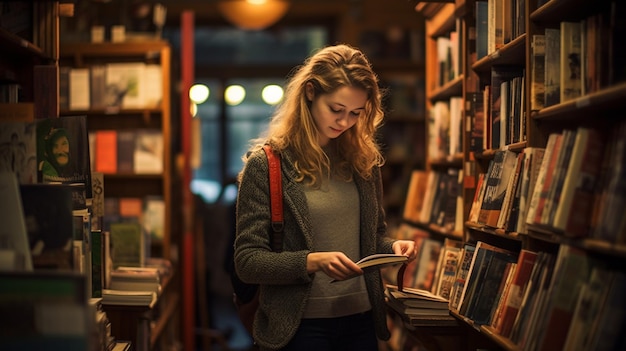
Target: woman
x=332 y=192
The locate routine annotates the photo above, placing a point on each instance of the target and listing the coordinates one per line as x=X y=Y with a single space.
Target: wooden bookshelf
x=163 y=326
x=601 y=107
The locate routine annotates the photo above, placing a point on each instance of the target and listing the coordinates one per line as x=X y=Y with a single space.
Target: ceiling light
x=253 y=14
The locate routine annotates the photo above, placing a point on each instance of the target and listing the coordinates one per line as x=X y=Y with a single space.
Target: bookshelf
x=129 y=120
x=128 y=111
x=563 y=205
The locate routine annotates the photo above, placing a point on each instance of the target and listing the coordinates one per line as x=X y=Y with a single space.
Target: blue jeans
x=350 y=333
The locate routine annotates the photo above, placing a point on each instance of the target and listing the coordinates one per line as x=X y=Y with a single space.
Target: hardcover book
x=497 y=180
x=573 y=211
x=537 y=85
x=552 y=66
x=571 y=60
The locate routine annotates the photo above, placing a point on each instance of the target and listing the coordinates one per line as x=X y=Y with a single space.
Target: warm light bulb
x=199 y=93
x=234 y=95
x=272 y=94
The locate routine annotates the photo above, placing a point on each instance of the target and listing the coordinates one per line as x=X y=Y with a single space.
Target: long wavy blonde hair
x=292 y=126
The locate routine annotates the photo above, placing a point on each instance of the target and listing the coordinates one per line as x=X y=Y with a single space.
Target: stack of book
x=416 y=302
x=129 y=298
x=136 y=286
x=136 y=279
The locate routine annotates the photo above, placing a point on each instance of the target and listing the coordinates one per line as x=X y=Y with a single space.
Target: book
x=482 y=29
x=148 y=152
x=500 y=75
x=125 y=85
x=513 y=299
x=477 y=113
x=381 y=260
x=79 y=87
x=552 y=67
x=416 y=302
x=127 y=244
x=590 y=302
x=609 y=325
x=408 y=232
x=18 y=150
x=377 y=261
x=415 y=195
x=478 y=198
x=426 y=263
x=571 y=271
x=63 y=152
x=484 y=277
x=504 y=162
x=447 y=267
x=608 y=222
x=106 y=151
x=573 y=211
x=537 y=84
x=510 y=191
x=129 y=297
x=461 y=276
x=556 y=184
x=533 y=293
x=533 y=157
x=418 y=298
x=125 y=151
x=571 y=60
x=535 y=192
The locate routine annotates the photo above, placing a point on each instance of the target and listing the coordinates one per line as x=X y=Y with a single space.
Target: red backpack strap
x=276 y=198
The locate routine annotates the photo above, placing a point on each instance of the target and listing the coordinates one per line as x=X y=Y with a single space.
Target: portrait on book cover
x=63 y=152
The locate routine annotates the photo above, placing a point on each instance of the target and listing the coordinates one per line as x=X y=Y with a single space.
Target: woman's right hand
x=334 y=264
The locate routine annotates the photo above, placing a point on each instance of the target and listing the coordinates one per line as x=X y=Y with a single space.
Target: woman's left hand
x=406 y=248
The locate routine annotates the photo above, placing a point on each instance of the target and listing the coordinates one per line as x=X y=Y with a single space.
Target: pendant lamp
x=253 y=14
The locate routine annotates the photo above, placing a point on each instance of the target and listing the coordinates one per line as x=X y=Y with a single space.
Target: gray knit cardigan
x=285 y=283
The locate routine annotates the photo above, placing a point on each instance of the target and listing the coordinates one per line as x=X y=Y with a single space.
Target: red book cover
x=525 y=262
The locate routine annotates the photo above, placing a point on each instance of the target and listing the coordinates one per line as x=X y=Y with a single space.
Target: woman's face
x=61 y=150
x=336 y=112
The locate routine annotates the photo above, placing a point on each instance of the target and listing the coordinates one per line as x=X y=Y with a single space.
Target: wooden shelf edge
x=607 y=97
x=511 y=54
x=448 y=90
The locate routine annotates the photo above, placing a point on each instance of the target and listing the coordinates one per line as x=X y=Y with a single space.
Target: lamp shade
x=253 y=14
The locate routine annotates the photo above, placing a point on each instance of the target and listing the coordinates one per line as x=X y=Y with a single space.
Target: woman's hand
x=334 y=264
x=406 y=248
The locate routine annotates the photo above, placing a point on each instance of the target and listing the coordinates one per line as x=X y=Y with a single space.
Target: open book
x=380 y=260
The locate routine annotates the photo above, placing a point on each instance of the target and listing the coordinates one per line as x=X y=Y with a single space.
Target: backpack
x=246 y=296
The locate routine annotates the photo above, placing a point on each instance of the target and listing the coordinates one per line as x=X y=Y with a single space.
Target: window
x=223 y=58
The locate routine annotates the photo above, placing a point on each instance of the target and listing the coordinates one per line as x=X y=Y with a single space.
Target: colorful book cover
x=63 y=152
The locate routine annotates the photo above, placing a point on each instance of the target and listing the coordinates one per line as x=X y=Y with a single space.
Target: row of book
x=436 y=197
x=137 y=151
x=498 y=116
x=497 y=23
x=117 y=85
x=571 y=187
x=538 y=300
x=541 y=300
x=435 y=267
x=445 y=129
x=573 y=60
